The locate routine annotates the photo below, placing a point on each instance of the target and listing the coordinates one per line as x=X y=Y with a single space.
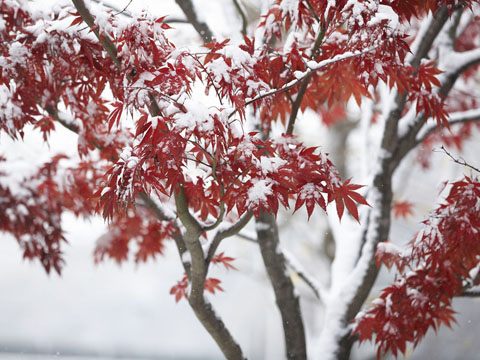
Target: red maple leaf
x=225 y=260
x=212 y=284
x=345 y=196
x=402 y=209
x=180 y=289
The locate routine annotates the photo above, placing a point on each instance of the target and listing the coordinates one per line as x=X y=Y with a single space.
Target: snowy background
x=108 y=311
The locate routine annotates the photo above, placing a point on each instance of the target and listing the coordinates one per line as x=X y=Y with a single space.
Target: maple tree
x=160 y=162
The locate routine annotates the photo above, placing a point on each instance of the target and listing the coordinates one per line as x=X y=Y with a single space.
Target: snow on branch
x=294 y=265
x=297 y=267
x=458 y=117
x=456 y=62
x=312 y=66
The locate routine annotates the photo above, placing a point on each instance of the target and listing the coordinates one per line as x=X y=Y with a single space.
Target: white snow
x=258 y=193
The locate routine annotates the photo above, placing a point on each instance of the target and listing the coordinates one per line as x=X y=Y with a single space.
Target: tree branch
x=470 y=293
x=422 y=46
x=312 y=10
x=223 y=234
x=303 y=88
x=202 y=309
x=242 y=15
x=460 y=161
x=104 y=39
x=287 y=301
x=117 y=10
x=125 y=12
x=459 y=117
x=310 y=70
x=190 y=223
x=296 y=267
x=202 y=28
x=377 y=225
x=177 y=236
x=318 y=290
x=410 y=139
x=190 y=240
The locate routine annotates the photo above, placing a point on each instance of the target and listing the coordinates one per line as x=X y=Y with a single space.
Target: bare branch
x=202 y=28
x=460 y=161
x=469 y=293
x=230 y=231
x=125 y=12
x=124 y=9
x=247 y=238
x=242 y=15
x=313 y=11
x=296 y=268
x=118 y=11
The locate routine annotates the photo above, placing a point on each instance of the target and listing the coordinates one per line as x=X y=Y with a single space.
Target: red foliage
x=56 y=75
x=180 y=289
x=402 y=209
x=440 y=263
x=225 y=260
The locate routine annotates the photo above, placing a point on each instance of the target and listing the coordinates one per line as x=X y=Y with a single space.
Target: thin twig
x=313 y=11
x=301 y=274
x=124 y=9
x=303 y=88
x=124 y=12
x=460 y=161
x=151 y=90
x=114 y=8
x=209 y=77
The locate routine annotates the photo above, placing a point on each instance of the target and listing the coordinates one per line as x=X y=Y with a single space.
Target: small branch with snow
x=470 y=293
x=458 y=117
x=104 y=39
x=460 y=161
x=459 y=61
x=303 y=88
x=296 y=267
x=230 y=231
x=312 y=67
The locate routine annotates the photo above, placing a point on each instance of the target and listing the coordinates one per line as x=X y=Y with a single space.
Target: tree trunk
x=287 y=301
